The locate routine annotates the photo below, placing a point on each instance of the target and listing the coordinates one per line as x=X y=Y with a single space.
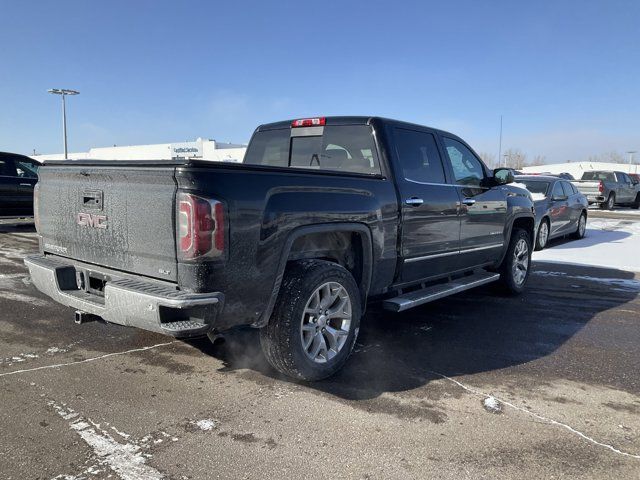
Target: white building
x=578 y=168
x=200 y=148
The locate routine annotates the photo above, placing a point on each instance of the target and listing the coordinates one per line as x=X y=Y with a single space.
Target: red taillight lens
x=36 y=206
x=601 y=187
x=201 y=231
x=309 y=122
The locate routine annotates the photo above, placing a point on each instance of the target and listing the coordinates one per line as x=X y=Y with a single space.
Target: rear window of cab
x=349 y=148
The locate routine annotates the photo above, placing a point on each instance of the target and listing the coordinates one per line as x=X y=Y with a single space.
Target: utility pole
x=631 y=152
x=500 y=143
x=63 y=92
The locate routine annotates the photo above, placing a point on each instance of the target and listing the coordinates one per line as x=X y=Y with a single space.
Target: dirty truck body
x=339 y=210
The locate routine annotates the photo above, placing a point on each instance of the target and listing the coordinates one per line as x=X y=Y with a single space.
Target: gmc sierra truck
x=323 y=215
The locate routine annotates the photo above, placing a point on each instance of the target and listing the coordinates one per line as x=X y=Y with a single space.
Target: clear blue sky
x=565 y=74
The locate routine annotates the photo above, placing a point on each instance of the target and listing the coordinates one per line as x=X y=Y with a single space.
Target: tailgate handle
x=92 y=199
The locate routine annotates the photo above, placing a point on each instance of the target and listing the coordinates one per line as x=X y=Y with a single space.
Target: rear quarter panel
x=264 y=208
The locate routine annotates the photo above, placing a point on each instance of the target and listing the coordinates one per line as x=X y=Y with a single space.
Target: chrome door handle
x=26 y=185
x=469 y=202
x=414 y=201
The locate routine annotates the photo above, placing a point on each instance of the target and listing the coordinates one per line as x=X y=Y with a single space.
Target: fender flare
x=367 y=260
x=510 y=231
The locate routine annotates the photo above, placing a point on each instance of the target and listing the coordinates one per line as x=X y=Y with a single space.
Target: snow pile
x=206 y=424
x=608 y=243
x=492 y=405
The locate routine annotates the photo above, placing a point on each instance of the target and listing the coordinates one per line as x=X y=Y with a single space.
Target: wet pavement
x=478 y=385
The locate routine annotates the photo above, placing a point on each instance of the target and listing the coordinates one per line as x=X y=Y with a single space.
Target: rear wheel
x=610 y=203
x=636 y=203
x=315 y=323
x=516 y=265
x=582 y=227
x=543 y=234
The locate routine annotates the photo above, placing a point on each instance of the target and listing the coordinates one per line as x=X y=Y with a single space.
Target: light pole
x=63 y=92
x=631 y=152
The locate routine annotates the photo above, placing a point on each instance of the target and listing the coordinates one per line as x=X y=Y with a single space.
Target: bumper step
x=185 y=328
x=429 y=294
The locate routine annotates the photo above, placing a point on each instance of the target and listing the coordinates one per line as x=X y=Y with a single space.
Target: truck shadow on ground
x=477 y=331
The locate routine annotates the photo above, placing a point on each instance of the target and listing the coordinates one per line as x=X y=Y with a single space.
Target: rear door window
x=419 y=156
x=558 y=191
x=568 y=191
x=7 y=168
x=349 y=148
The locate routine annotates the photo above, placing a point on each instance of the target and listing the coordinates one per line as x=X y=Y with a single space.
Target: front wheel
x=516 y=265
x=315 y=323
x=543 y=235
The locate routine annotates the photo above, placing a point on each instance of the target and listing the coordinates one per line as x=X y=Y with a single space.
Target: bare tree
x=515 y=158
x=489 y=159
x=538 y=160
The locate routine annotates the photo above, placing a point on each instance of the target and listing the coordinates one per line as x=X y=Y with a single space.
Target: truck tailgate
x=587 y=187
x=118 y=216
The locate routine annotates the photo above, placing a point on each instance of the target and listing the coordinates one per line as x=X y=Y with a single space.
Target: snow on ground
x=612 y=243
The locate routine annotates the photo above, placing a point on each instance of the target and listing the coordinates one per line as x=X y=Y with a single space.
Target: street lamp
x=63 y=92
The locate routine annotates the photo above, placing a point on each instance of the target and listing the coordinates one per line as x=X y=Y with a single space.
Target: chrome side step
x=429 y=294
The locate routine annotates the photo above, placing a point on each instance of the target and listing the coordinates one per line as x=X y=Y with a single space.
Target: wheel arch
x=347 y=244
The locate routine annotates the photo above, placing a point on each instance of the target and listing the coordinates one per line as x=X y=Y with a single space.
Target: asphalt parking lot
x=478 y=385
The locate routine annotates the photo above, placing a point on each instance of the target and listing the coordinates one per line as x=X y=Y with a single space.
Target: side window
x=467 y=169
x=7 y=169
x=558 y=190
x=26 y=169
x=419 y=156
x=566 y=186
x=625 y=178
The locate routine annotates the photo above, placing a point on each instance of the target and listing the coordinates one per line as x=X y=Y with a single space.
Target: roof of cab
x=350 y=120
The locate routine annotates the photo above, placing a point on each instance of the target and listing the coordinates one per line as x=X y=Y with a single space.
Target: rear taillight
x=309 y=122
x=601 y=187
x=201 y=227
x=36 y=207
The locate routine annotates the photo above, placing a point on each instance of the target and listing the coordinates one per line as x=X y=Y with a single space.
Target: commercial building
x=200 y=148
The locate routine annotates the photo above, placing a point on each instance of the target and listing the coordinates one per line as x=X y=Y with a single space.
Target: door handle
x=469 y=202
x=26 y=185
x=414 y=201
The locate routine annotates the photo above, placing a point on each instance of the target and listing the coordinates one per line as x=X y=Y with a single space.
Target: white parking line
x=86 y=360
x=538 y=416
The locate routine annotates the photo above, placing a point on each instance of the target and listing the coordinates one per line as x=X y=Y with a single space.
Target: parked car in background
x=635 y=178
x=565 y=176
x=322 y=214
x=609 y=188
x=560 y=208
x=18 y=176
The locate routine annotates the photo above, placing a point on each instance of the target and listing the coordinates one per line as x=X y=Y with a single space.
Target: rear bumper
x=130 y=301
x=595 y=198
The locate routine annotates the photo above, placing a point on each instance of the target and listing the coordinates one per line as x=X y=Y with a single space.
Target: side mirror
x=502 y=176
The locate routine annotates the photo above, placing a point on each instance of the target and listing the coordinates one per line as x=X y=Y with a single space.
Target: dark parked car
x=322 y=215
x=18 y=176
x=560 y=208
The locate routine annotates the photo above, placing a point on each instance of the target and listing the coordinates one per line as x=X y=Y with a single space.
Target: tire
x=610 y=203
x=582 y=227
x=290 y=339
x=516 y=265
x=542 y=238
x=636 y=203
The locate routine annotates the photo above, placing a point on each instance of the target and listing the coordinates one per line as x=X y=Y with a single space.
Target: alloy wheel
x=326 y=322
x=520 y=261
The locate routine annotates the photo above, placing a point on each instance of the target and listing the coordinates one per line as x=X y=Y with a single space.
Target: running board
x=429 y=294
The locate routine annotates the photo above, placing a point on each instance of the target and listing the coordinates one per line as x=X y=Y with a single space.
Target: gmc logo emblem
x=91 y=220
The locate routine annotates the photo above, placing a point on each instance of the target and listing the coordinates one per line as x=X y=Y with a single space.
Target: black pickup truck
x=323 y=215
x=18 y=175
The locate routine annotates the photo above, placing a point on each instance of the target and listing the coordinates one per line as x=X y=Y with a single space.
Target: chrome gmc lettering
x=91 y=220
